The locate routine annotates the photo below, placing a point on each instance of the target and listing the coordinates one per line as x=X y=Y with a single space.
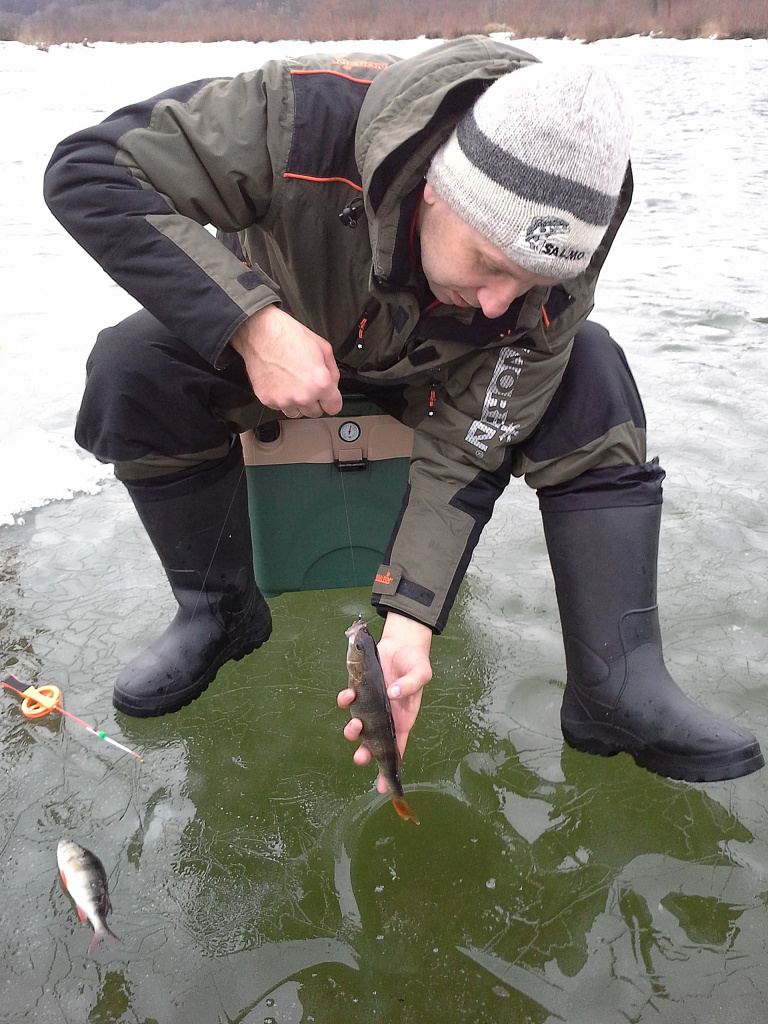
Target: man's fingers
x=290 y=367
x=330 y=399
x=345 y=698
x=330 y=362
x=312 y=404
x=361 y=756
x=309 y=410
x=329 y=404
x=408 y=685
x=332 y=404
x=353 y=729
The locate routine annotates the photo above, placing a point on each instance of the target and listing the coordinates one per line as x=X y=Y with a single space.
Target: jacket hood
x=409 y=110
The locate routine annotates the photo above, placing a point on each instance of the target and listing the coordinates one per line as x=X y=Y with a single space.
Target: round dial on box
x=349 y=431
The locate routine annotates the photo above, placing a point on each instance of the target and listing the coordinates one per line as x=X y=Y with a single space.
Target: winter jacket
x=316 y=164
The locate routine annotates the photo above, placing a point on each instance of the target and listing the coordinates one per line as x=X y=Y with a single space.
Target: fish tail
x=404 y=809
x=104 y=940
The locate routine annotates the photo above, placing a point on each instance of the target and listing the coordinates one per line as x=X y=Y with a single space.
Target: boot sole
x=607 y=742
x=171 y=702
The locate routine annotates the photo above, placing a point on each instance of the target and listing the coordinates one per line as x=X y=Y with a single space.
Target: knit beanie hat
x=537 y=164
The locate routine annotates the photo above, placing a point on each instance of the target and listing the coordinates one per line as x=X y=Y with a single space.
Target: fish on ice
x=85 y=880
x=371 y=705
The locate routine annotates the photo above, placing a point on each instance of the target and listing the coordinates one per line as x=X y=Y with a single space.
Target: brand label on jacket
x=495 y=421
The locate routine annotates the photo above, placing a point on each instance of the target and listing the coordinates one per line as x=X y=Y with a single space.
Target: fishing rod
x=39 y=701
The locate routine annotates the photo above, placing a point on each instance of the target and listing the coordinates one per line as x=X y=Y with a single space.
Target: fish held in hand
x=85 y=880
x=371 y=706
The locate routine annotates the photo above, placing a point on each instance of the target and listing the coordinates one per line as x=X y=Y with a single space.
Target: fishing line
x=349 y=528
x=229 y=509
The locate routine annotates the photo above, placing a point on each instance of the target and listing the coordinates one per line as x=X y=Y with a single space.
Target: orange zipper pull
x=360 y=328
x=432 y=398
x=544 y=317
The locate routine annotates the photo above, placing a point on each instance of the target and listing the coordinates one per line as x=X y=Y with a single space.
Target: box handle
x=350 y=465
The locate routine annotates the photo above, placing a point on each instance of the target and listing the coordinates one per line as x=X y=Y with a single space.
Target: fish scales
x=371 y=705
x=85 y=880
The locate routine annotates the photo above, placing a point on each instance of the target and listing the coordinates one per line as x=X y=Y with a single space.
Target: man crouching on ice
x=431 y=229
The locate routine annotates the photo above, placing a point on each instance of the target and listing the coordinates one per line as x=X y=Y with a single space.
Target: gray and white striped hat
x=537 y=164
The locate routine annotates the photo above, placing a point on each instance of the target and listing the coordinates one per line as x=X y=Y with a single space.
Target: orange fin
x=81 y=914
x=404 y=809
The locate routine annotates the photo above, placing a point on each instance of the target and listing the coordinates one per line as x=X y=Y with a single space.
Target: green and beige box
x=324 y=495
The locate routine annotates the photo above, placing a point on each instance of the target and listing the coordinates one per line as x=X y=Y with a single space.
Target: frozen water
x=683 y=289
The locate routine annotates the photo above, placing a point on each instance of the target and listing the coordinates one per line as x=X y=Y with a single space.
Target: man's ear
x=430 y=196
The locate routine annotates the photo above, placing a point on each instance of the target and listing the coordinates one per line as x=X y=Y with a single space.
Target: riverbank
x=123 y=21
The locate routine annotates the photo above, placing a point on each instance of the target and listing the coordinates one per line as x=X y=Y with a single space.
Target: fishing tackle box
x=324 y=495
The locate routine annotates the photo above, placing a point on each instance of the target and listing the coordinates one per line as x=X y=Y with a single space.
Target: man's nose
x=496 y=299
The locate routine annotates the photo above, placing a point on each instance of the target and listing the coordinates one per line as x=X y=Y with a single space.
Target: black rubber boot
x=619 y=695
x=200 y=528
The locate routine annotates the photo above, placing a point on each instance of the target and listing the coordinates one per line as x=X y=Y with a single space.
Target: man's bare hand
x=290 y=368
x=404 y=654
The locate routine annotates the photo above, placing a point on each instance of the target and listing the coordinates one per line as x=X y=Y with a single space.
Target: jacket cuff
x=223 y=355
x=392 y=591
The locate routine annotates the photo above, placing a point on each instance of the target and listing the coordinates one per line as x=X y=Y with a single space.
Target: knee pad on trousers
x=595 y=419
x=597 y=392
x=147 y=392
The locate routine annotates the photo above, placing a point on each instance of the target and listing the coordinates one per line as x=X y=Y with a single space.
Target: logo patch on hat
x=547 y=229
x=548 y=236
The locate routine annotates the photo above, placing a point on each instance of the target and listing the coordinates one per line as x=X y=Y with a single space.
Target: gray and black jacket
x=274 y=156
